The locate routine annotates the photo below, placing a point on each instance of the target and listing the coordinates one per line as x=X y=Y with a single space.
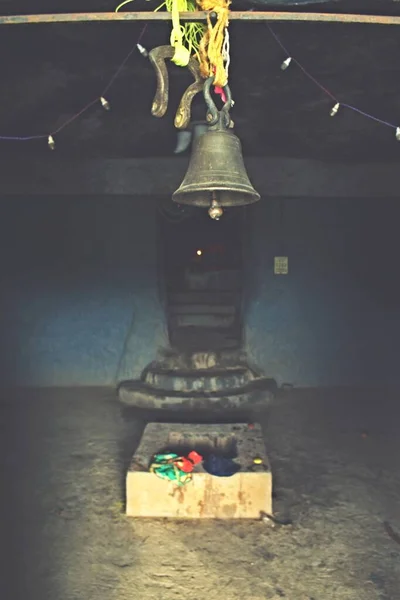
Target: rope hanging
x=213 y=46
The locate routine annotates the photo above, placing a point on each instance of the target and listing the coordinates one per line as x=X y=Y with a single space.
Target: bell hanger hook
x=217 y=119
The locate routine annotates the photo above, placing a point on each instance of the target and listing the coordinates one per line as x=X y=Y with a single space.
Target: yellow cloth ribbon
x=182 y=54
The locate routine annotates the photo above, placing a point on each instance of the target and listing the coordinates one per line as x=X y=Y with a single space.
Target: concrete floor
x=335 y=458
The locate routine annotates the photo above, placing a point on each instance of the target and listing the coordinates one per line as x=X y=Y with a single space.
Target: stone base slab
x=245 y=495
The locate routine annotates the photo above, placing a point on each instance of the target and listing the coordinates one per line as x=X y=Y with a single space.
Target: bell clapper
x=215 y=211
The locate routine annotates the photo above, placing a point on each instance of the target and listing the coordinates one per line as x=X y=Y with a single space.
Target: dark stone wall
x=335 y=318
x=79 y=303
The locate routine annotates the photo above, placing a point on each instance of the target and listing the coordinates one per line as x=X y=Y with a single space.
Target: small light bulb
x=286 y=63
x=398 y=134
x=215 y=211
x=51 y=142
x=105 y=103
x=335 y=109
x=142 y=50
x=199 y=252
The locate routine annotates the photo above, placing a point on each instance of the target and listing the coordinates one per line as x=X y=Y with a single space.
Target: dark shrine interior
x=120 y=306
x=201 y=264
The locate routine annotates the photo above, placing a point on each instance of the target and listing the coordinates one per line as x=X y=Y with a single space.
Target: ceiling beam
x=245 y=16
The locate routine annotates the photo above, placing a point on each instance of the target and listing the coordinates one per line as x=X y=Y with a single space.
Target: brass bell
x=216 y=175
x=216 y=172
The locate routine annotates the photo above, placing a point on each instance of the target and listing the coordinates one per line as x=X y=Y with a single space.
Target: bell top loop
x=215 y=116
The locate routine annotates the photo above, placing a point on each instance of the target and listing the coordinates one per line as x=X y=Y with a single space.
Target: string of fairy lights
x=99 y=99
x=105 y=104
x=337 y=104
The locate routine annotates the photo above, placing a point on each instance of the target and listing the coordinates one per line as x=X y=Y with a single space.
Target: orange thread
x=210 y=48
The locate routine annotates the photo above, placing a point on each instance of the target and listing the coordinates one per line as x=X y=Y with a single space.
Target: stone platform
x=245 y=495
x=200 y=381
x=258 y=393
